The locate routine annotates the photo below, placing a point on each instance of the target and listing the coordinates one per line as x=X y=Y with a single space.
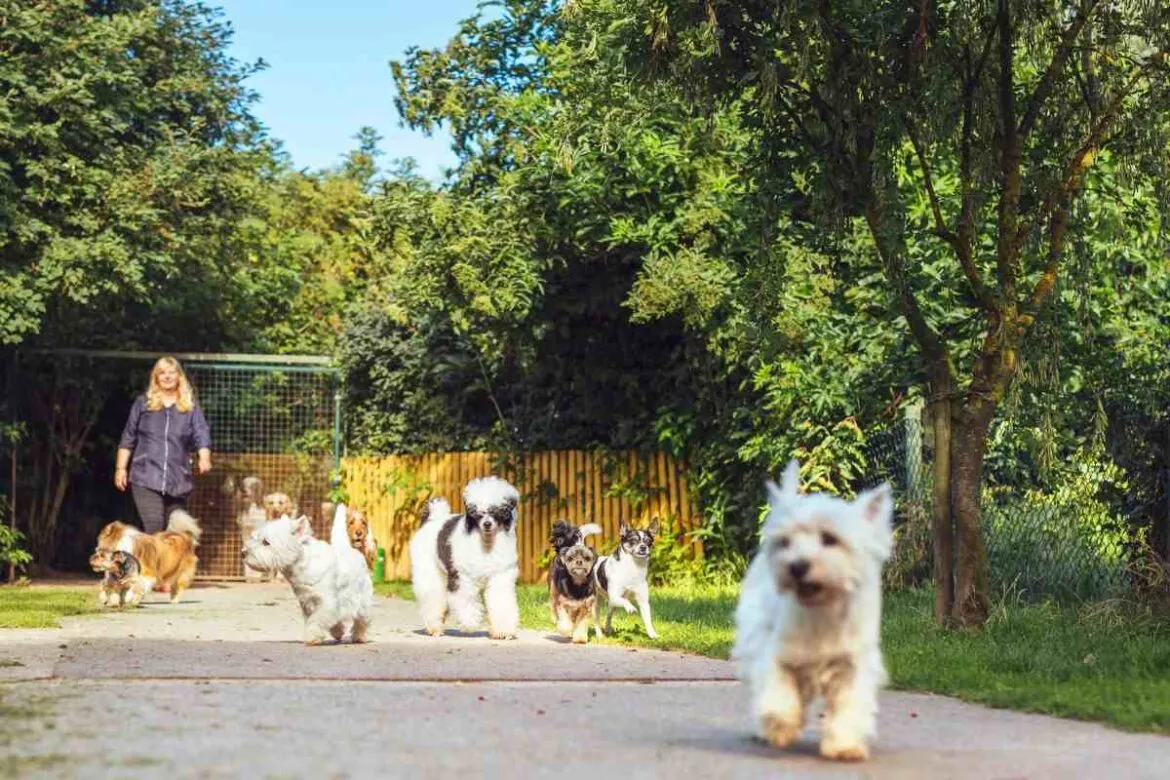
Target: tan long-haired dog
x=278 y=505
x=166 y=558
x=361 y=536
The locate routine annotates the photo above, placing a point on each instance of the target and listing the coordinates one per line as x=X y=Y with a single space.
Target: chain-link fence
x=1070 y=536
x=273 y=418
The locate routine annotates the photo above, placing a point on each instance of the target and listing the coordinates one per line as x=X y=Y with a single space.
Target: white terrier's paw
x=629 y=608
x=501 y=635
x=840 y=750
x=651 y=633
x=779 y=732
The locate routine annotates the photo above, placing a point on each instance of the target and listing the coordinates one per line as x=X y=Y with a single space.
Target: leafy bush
x=12 y=548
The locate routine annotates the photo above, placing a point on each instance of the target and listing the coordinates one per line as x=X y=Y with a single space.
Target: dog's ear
x=654 y=527
x=789 y=487
x=877 y=505
x=624 y=528
x=790 y=480
x=302 y=527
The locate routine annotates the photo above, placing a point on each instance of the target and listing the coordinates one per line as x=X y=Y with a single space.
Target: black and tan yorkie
x=572 y=594
x=121 y=578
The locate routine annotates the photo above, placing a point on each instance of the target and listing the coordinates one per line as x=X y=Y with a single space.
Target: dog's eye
x=828 y=540
x=783 y=542
x=267 y=543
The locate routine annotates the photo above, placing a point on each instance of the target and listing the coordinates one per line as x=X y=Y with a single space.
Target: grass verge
x=43 y=607
x=1092 y=663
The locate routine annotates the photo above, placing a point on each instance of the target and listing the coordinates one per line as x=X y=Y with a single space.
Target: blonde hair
x=154 y=393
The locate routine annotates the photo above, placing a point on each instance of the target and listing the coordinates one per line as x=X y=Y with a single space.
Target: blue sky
x=328 y=71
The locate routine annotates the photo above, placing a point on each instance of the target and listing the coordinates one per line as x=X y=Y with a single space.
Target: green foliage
x=119 y=172
x=12 y=551
x=590 y=213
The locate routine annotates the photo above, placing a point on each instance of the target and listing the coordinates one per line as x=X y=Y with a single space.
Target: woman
x=165 y=426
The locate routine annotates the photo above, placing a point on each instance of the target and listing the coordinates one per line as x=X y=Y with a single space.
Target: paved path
x=220 y=686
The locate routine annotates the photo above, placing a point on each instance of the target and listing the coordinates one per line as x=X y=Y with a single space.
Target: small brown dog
x=361 y=536
x=166 y=558
x=122 y=583
x=278 y=505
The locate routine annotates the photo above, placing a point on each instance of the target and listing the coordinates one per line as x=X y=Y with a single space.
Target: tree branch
x=1053 y=71
x=940 y=224
x=1009 y=200
x=963 y=249
x=1083 y=157
x=894 y=261
x=1057 y=231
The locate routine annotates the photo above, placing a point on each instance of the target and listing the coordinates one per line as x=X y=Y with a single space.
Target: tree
x=123 y=126
x=989 y=113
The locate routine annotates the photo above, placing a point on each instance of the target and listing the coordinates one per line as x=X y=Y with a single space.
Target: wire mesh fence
x=275 y=429
x=273 y=418
x=1070 y=537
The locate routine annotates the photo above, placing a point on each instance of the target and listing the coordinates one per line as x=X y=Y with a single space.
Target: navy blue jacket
x=161 y=444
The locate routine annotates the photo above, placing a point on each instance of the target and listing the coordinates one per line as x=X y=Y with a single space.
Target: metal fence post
x=912 y=433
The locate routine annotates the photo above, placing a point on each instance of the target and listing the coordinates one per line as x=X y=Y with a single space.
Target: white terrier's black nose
x=798 y=569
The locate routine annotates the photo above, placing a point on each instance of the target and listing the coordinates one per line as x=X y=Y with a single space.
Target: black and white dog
x=623 y=574
x=460 y=563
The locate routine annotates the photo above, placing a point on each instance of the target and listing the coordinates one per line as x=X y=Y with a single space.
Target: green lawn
x=1089 y=664
x=43 y=607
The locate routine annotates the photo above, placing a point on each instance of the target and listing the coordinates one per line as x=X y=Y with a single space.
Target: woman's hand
x=204 y=461
x=121 y=478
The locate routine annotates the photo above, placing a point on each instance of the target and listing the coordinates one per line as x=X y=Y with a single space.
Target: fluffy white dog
x=330 y=580
x=809 y=613
x=457 y=560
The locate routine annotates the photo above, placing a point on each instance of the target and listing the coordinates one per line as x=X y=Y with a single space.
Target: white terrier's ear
x=790 y=481
x=623 y=528
x=789 y=487
x=302 y=527
x=654 y=527
x=877 y=505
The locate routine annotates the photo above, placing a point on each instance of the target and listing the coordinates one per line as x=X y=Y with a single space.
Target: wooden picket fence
x=578 y=485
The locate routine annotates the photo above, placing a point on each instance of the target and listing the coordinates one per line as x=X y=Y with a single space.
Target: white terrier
x=809 y=615
x=331 y=581
x=455 y=560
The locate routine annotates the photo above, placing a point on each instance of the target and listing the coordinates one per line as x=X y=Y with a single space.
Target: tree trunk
x=941 y=521
x=970 y=426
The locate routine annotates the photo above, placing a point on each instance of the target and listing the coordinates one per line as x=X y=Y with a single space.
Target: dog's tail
x=589 y=529
x=436 y=508
x=565 y=535
x=338 y=535
x=181 y=522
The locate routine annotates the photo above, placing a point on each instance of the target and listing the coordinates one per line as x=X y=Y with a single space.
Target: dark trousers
x=154 y=507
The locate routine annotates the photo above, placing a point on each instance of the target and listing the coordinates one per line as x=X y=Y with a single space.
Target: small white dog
x=457 y=560
x=331 y=581
x=624 y=574
x=809 y=614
